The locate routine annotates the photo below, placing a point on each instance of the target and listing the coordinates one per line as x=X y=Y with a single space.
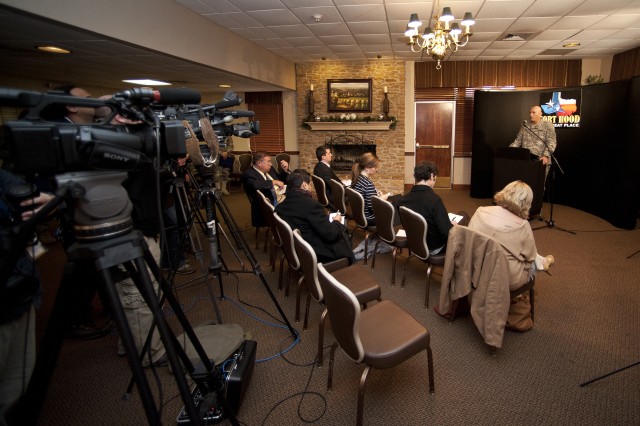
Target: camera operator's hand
x=182 y=161
x=38 y=201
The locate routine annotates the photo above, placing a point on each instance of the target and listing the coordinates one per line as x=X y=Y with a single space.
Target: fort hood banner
x=561 y=108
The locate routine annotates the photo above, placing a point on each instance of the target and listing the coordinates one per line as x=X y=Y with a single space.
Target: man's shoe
x=185 y=269
x=87 y=331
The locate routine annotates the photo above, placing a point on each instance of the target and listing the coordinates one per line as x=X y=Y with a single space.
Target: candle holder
x=385 y=106
x=311 y=103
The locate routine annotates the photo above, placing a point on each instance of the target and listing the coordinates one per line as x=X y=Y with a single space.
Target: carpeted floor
x=587 y=322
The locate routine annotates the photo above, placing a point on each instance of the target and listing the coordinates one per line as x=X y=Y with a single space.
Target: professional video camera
x=211 y=127
x=39 y=145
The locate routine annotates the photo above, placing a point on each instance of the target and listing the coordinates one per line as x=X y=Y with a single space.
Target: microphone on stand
x=524 y=123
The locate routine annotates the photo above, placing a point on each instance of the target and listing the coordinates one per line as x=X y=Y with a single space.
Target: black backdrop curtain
x=601 y=158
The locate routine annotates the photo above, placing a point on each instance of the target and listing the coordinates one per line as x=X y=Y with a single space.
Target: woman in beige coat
x=507 y=223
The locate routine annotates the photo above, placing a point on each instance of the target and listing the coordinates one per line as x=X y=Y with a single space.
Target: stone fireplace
x=346 y=149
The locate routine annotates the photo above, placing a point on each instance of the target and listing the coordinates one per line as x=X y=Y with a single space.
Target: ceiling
x=347 y=30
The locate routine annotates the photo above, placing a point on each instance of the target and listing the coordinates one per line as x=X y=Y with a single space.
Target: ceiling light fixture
x=443 y=36
x=224 y=86
x=571 y=44
x=147 y=82
x=53 y=49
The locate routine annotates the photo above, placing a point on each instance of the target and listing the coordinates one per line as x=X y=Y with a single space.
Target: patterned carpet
x=587 y=322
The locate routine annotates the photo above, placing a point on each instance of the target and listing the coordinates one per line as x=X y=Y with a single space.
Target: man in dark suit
x=323 y=168
x=264 y=178
x=423 y=200
x=303 y=212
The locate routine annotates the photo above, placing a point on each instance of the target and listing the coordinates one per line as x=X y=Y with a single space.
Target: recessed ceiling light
x=224 y=86
x=53 y=49
x=571 y=44
x=147 y=82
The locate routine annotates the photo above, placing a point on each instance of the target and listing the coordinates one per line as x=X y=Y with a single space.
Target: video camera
x=211 y=126
x=39 y=144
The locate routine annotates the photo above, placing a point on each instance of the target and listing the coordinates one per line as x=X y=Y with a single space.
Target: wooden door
x=434 y=137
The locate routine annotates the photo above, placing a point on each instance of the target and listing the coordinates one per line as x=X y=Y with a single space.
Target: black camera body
x=40 y=146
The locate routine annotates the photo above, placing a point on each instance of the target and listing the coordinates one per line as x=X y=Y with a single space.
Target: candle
x=385 y=89
x=311 y=88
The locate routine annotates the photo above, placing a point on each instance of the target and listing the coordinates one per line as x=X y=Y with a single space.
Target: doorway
x=434 y=137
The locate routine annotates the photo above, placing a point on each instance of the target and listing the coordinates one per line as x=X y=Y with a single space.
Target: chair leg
x=373 y=258
x=257 y=234
x=393 y=266
x=531 y=291
x=266 y=239
x=331 y=358
x=426 y=290
x=281 y=272
x=306 y=312
x=366 y=247
x=404 y=275
x=363 y=382
x=320 y=354
x=298 y=294
x=432 y=388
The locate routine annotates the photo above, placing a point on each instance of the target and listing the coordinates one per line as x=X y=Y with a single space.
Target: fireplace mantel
x=348 y=126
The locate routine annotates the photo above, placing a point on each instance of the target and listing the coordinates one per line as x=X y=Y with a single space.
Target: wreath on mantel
x=349 y=118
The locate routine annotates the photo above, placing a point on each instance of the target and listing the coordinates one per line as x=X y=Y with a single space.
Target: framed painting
x=349 y=95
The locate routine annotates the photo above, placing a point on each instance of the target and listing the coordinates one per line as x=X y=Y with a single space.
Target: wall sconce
x=311 y=103
x=385 y=103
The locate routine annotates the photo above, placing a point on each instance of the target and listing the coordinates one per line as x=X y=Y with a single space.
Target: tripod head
x=100 y=206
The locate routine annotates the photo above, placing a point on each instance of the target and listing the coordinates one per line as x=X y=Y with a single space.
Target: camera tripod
x=104 y=244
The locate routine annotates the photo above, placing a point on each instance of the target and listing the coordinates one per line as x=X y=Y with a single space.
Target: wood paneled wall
x=626 y=65
x=559 y=73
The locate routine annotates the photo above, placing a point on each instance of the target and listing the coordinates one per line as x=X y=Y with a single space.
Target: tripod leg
x=231 y=225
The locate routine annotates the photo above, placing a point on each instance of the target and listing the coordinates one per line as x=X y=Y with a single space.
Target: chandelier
x=445 y=35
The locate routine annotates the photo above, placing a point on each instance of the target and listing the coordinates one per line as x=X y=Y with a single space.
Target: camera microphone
x=165 y=96
x=524 y=123
x=240 y=114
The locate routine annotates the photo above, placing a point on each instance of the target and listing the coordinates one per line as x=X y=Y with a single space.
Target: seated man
x=264 y=178
x=323 y=168
x=423 y=200
x=303 y=212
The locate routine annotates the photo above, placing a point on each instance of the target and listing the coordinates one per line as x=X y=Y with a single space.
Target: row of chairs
x=415 y=242
x=381 y=336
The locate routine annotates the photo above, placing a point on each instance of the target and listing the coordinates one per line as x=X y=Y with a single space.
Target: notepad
x=332 y=215
x=455 y=218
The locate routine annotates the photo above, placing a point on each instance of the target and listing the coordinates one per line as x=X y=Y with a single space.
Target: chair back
x=356 y=201
x=286 y=238
x=280 y=157
x=235 y=168
x=321 y=192
x=245 y=161
x=267 y=210
x=308 y=265
x=344 y=313
x=416 y=228
x=337 y=193
x=384 y=212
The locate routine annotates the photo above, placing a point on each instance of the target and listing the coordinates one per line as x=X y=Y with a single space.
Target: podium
x=511 y=164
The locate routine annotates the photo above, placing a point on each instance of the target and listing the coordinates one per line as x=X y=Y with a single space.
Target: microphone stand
x=554 y=162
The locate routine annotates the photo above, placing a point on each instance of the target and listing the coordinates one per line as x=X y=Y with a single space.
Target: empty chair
x=276 y=243
x=245 y=160
x=416 y=229
x=286 y=238
x=362 y=284
x=321 y=192
x=357 y=210
x=385 y=218
x=381 y=336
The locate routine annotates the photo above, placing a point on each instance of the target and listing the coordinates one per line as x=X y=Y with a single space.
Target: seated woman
x=362 y=170
x=507 y=223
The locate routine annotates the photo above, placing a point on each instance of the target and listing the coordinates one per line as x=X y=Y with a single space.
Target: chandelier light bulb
x=444 y=37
